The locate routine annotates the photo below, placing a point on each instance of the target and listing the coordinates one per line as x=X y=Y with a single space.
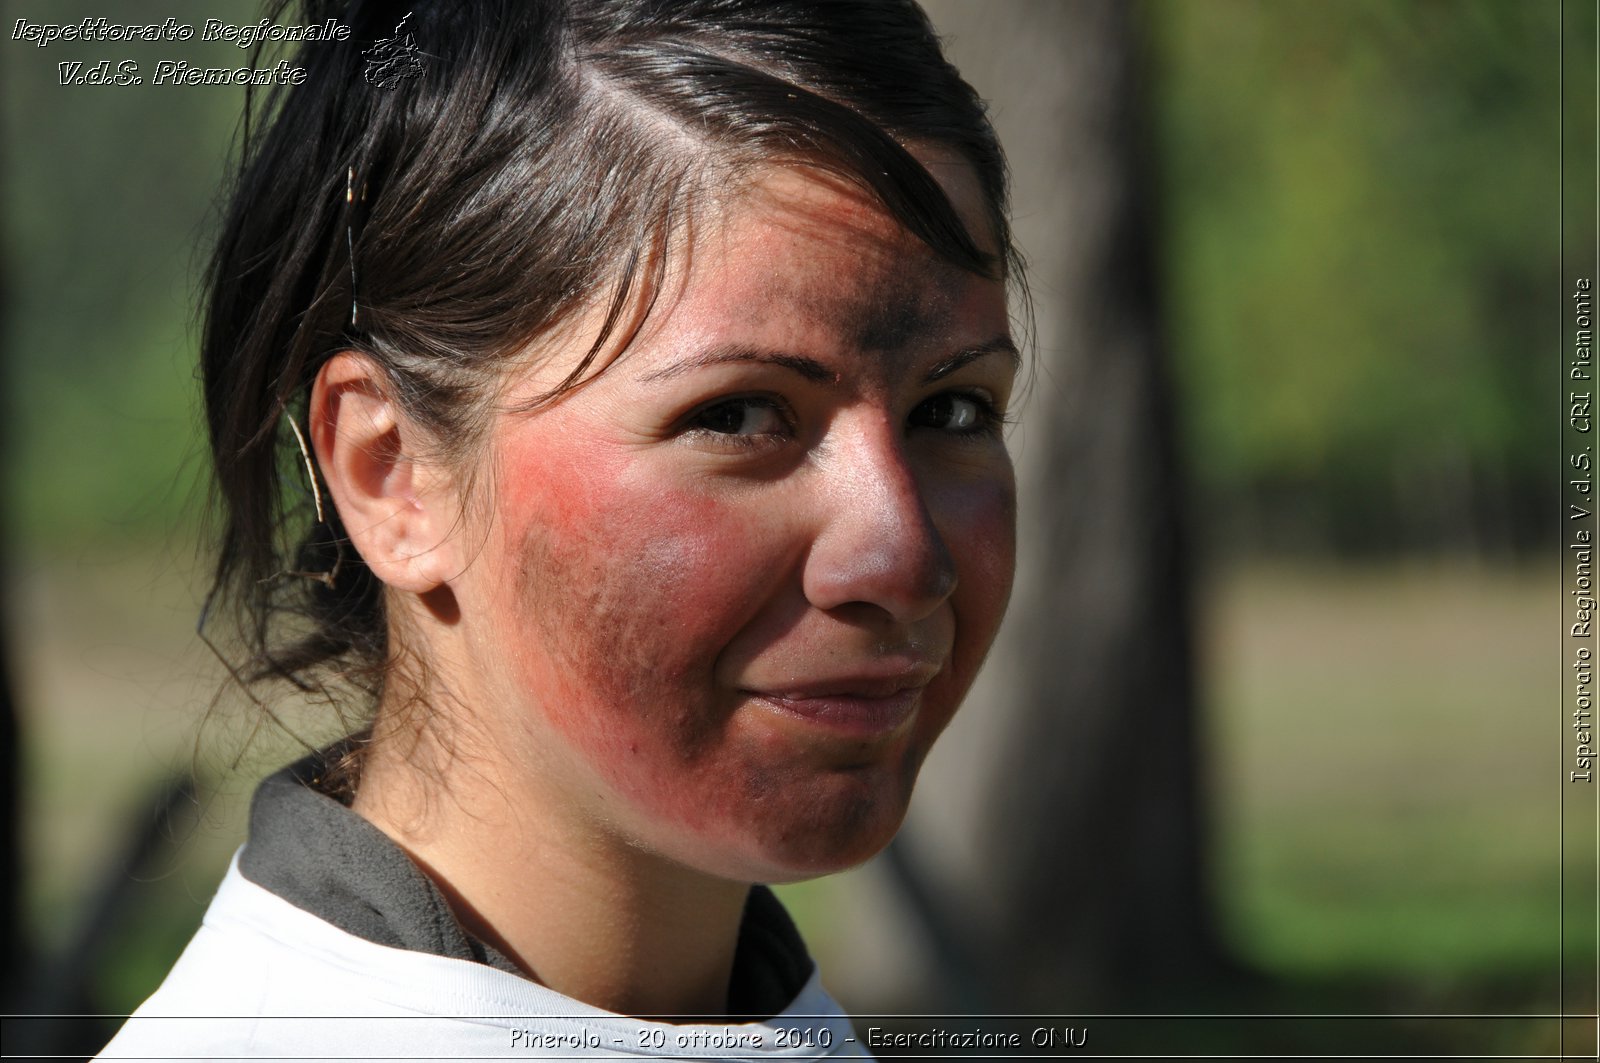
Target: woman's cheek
x=628 y=598
x=630 y=603
x=980 y=525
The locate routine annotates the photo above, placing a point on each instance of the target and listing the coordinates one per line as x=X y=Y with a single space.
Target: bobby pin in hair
x=350 y=246
x=329 y=577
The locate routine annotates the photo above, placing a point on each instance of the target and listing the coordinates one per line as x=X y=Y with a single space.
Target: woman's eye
x=742 y=417
x=957 y=412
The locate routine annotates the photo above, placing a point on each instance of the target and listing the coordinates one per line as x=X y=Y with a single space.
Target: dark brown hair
x=536 y=163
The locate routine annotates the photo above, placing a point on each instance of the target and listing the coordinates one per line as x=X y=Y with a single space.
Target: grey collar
x=320 y=856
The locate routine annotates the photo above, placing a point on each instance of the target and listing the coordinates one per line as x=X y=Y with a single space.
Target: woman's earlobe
x=365 y=447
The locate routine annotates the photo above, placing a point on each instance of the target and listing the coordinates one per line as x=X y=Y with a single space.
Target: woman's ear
x=397 y=512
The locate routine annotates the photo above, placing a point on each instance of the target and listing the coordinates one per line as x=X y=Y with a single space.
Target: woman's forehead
x=798 y=235
x=792 y=258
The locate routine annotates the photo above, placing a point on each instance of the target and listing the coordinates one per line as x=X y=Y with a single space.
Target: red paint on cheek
x=624 y=597
x=617 y=604
x=985 y=530
x=977 y=521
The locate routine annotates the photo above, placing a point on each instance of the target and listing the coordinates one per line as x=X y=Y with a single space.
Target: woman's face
x=732 y=589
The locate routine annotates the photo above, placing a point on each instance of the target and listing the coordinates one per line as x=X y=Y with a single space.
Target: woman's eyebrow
x=998 y=345
x=815 y=371
x=809 y=368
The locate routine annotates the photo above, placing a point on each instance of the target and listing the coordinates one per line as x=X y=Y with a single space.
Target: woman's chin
x=817 y=866
x=846 y=825
x=801 y=864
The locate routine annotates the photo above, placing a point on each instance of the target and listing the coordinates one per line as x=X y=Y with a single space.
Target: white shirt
x=263 y=979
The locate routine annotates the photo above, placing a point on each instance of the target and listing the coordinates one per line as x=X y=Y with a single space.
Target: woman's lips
x=862 y=707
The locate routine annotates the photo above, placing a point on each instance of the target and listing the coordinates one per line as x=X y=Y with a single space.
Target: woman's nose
x=878 y=543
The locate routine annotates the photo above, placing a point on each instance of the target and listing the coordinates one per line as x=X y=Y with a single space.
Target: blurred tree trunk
x=1057 y=850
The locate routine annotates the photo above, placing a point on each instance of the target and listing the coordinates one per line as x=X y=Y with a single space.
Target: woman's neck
x=578 y=909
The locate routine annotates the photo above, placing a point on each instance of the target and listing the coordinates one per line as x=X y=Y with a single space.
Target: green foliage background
x=1360 y=203
x=107 y=197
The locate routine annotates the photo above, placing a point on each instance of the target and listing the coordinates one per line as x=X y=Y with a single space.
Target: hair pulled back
x=539 y=163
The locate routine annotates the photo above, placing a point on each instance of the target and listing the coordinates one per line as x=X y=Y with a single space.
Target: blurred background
x=1270 y=728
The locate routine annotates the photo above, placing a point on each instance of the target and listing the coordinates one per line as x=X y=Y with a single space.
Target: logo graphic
x=393 y=59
